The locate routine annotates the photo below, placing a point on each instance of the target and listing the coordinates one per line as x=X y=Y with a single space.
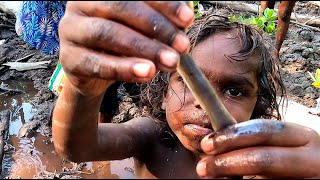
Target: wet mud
x=29 y=154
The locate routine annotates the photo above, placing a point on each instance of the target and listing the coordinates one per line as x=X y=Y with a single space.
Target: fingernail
x=169 y=58
x=207 y=146
x=185 y=14
x=141 y=69
x=212 y=135
x=201 y=169
x=181 y=43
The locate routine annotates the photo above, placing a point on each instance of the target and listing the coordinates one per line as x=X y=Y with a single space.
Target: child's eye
x=180 y=79
x=234 y=92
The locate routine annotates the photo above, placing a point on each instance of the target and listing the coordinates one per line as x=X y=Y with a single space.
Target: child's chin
x=194 y=146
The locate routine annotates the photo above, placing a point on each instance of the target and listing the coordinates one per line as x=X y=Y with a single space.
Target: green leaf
x=273 y=17
x=263 y=19
x=195 y=3
x=240 y=18
x=233 y=18
x=268 y=13
x=198 y=13
x=252 y=20
x=270 y=27
x=259 y=22
x=316 y=84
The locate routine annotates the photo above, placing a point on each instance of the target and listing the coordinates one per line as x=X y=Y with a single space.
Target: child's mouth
x=196 y=130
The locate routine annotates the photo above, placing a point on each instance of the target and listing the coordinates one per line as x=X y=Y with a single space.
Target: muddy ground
x=26 y=102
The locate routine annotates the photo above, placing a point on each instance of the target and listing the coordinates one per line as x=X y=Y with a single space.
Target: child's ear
x=164 y=102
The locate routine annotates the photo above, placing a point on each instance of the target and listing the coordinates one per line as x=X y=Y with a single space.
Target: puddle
x=27 y=157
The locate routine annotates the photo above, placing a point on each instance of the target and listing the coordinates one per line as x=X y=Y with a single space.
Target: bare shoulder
x=129 y=139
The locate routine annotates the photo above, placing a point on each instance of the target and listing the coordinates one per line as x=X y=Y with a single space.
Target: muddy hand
x=102 y=42
x=268 y=148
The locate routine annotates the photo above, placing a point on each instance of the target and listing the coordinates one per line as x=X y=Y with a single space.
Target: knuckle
x=63 y=53
x=63 y=25
x=96 y=68
x=65 y=56
x=162 y=28
x=119 y=5
x=313 y=134
x=71 y=5
x=115 y=70
x=175 y=7
x=156 y=21
x=261 y=160
x=91 y=61
x=101 y=31
x=137 y=43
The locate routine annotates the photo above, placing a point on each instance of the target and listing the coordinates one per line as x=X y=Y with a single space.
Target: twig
x=6 y=26
x=307 y=26
x=312 y=77
x=311 y=20
x=25 y=58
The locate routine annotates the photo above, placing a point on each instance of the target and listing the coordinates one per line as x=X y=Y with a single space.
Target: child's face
x=235 y=82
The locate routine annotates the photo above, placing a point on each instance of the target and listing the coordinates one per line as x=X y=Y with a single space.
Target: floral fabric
x=37 y=24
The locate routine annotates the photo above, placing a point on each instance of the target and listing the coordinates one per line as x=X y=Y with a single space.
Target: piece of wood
x=240 y=6
x=304 y=25
x=20 y=66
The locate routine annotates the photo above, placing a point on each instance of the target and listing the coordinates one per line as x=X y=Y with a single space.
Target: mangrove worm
x=203 y=91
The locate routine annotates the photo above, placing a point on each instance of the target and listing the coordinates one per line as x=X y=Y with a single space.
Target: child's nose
x=196 y=103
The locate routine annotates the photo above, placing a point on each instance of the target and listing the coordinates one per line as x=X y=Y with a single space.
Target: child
x=131 y=41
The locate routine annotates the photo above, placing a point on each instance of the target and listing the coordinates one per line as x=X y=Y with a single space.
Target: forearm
x=75 y=123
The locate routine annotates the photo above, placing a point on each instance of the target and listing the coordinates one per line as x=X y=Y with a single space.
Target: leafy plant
x=316 y=78
x=198 y=9
x=266 y=21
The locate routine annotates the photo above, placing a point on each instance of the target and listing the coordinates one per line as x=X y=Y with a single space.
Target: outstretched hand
x=106 y=41
x=267 y=148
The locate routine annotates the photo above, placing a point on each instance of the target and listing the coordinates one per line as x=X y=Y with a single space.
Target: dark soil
x=300 y=53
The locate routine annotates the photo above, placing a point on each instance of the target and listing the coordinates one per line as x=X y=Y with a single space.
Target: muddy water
x=35 y=156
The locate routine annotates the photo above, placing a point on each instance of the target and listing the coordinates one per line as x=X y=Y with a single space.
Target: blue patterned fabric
x=37 y=24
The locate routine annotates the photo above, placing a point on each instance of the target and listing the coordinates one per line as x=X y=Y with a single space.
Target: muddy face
x=235 y=82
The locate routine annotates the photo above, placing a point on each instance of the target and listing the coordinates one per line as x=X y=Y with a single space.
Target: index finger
x=149 y=19
x=177 y=11
x=257 y=132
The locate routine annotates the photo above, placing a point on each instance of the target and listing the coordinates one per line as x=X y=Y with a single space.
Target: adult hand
x=266 y=148
x=106 y=41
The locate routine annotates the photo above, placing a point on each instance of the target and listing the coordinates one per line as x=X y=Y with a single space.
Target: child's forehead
x=220 y=52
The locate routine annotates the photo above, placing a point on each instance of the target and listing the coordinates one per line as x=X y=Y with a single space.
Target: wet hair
x=252 y=40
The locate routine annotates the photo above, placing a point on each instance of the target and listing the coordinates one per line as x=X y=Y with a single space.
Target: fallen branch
x=304 y=25
x=240 y=6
